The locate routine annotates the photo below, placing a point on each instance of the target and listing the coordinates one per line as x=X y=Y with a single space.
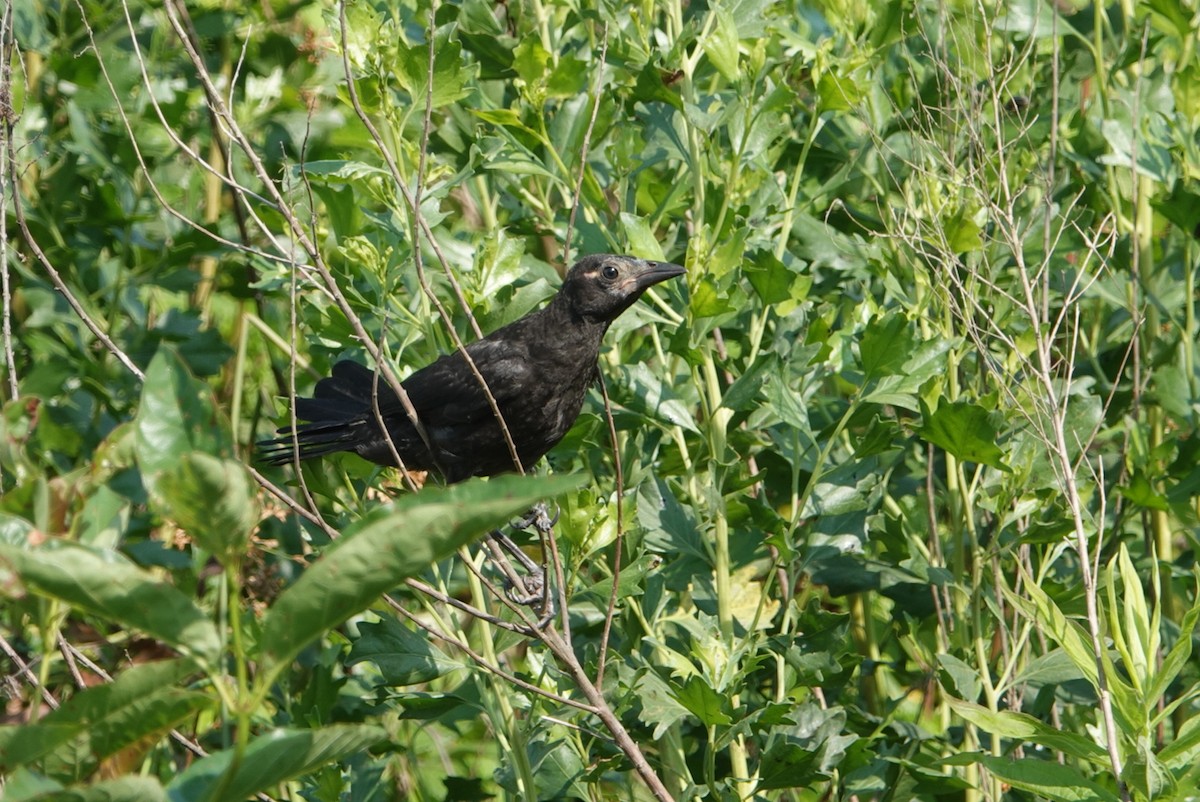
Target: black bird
x=538 y=369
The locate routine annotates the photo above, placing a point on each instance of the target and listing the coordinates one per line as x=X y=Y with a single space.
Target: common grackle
x=538 y=369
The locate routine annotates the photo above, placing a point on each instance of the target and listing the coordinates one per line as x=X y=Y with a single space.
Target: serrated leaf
x=773 y=281
x=404 y=657
x=451 y=76
x=702 y=701
x=966 y=431
x=886 y=344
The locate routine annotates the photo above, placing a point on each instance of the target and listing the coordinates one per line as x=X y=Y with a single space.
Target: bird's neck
x=558 y=313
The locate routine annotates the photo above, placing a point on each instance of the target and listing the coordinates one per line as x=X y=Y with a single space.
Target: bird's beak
x=654 y=272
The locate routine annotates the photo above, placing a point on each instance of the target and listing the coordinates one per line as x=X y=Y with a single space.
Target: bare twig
x=7 y=117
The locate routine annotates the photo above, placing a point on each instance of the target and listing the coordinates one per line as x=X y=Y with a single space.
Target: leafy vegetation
x=897 y=498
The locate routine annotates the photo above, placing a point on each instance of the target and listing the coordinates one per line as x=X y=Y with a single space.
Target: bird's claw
x=538 y=517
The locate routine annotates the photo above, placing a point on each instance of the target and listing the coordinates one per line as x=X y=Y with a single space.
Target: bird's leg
x=531 y=590
x=521 y=589
x=538 y=517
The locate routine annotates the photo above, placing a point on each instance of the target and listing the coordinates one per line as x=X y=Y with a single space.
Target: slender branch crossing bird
x=538 y=370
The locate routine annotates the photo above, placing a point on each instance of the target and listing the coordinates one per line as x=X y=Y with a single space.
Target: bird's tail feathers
x=340 y=416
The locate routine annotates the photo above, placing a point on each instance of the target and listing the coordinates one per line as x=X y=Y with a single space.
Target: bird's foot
x=528 y=589
x=538 y=518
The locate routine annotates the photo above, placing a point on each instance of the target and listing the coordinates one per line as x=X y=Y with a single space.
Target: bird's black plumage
x=538 y=369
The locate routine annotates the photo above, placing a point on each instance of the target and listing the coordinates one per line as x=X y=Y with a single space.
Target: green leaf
x=653 y=399
x=965 y=430
x=120 y=789
x=773 y=281
x=139 y=702
x=886 y=344
x=392 y=543
x=721 y=43
x=642 y=242
x=404 y=657
x=838 y=92
x=1177 y=656
x=1051 y=621
x=452 y=74
x=702 y=701
x=744 y=393
x=269 y=760
x=213 y=500
x=964 y=677
x=177 y=415
x=106 y=584
x=1022 y=727
x=1042 y=778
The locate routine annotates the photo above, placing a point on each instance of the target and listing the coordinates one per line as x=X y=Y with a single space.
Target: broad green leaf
x=1042 y=778
x=392 y=543
x=213 y=500
x=653 y=399
x=177 y=415
x=1022 y=727
x=659 y=708
x=964 y=676
x=838 y=92
x=965 y=430
x=557 y=770
x=271 y=759
x=129 y=788
x=106 y=584
x=813 y=747
x=404 y=657
x=139 y=702
x=744 y=393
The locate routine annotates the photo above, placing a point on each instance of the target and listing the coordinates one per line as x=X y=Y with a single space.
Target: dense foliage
x=900 y=498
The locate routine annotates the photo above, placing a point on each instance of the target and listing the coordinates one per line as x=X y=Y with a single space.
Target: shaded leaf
x=404 y=657
x=106 y=584
x=270 y=759
x=213 y=500
x=140 y=701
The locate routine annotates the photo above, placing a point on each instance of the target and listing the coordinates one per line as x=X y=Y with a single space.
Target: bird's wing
x=448 y=392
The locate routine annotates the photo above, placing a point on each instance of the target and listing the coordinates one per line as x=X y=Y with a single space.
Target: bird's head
x=602 y=286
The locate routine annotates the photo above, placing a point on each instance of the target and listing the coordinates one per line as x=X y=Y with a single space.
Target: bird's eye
x=610 y=272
